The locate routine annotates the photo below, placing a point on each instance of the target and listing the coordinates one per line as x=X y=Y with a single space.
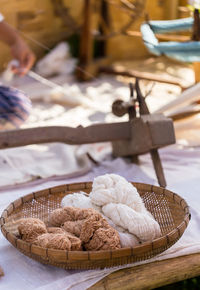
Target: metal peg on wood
x=120 y=108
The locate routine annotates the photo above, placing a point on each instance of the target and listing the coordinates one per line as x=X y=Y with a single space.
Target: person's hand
x=21 y=52
x=19 y=49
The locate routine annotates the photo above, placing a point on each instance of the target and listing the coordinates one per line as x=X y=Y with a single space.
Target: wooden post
x=88 y=68
x=171 y=9
x=154 y=152
x=196 y=26
x=196 y=37
x=86 y=43
x=152 y=275
x=196 y=67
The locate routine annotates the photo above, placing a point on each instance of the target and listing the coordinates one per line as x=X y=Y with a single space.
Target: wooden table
x=152 y=275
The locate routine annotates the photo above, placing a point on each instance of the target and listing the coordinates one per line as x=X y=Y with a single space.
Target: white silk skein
x=121 y=203
x=78 y=199
x=140 y=224
x=116 y=189
x=128 y=240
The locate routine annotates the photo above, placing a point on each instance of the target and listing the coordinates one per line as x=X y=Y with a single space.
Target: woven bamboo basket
x=169 y=209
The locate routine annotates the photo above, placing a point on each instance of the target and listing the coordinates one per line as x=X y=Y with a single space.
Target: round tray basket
x=169 y=209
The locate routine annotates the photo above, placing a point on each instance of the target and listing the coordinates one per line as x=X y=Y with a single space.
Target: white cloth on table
x=182 y=171
x=41 y=162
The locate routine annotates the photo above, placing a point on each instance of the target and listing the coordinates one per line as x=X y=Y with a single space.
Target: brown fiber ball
x=59 y=216
x=90 y=225
x=55 y=230
x=104 y=239
x=82 y=214
x=31 y=228
x=54 y=241
x=75 y=214
x=73 y=227
x=75 y=242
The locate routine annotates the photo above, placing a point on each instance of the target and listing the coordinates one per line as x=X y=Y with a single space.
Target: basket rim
x=166 y=239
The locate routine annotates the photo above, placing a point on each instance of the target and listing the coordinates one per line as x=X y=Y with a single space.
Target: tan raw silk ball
x=73 y=227
x=84 y=223
x=54 y=241
x=104 y=239
x=59 y=216
x=55 y=230
x=90 y=225
x=31 y=228
x=76 y=244
x=84 y=213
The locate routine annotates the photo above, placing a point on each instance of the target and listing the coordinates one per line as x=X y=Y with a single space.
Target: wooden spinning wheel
x=102 y=29
x=132 y=8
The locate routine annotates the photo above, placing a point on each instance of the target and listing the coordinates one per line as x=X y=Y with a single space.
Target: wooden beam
x=120 y=70
x=196 y=66
x=191 y=111
x=171 y=9
x=152 y=275
x=80 y=135
x=162 y=37
x=86 y=43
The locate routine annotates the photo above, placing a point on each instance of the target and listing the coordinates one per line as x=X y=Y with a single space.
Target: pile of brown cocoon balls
x=71 y=229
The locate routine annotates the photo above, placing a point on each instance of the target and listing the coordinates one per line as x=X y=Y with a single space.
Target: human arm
x=19 y=49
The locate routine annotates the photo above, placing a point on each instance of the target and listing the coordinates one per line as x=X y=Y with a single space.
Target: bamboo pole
x=86 y=42
x=152 y=275
x=171 y=9
x=163 y=37
x=196 y=67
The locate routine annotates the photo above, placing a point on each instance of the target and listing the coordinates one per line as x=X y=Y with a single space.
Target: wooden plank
x=185 y=112
x=80 y=135
x=119 y=70
x=86 y=43
x=171 y=9
x=152 y=275
x=158 y=167
x=162 y=37
x=196 y=66
x=143 y=108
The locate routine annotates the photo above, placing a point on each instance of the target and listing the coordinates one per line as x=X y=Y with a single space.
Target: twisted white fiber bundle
x=121 y=203
x=128 y=240
x=78 y=199
x=137 y=223
x=116 y=189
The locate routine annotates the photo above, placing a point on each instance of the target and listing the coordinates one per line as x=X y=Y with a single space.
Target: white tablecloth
x=182 y=171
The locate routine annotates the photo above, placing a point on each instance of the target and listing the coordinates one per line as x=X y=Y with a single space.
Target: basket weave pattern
x=169 y=209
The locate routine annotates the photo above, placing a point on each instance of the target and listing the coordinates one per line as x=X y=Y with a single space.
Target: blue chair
x=183 y=51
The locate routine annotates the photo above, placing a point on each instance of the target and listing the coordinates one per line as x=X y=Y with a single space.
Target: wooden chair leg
x=196 y=67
